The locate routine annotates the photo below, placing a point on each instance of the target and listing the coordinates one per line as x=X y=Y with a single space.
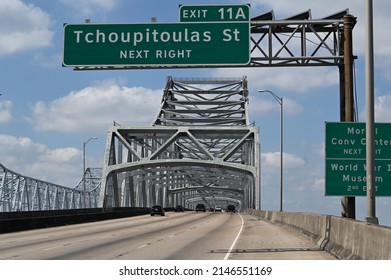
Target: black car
x=157 y=209
x=179 y=208
x=231 y=208
x=200 y=207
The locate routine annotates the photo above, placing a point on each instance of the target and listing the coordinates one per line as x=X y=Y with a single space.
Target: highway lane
x=176 y=236
x=187 y=235
x=262 y=240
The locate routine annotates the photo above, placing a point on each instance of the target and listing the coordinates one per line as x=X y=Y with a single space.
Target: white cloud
x=22 y=155
x=5 y=111
x=94 y=108
x=321 y=150
x=89 y=7
x=260 y=107
x=298 y=79
x=284 y=9
x=61 y=155
x=382 y=105
x=290 y=161
x=293 y=161
x=382 y=108
x=319 y=184
x=23 y=27
x=53 y=61
x=384 y=65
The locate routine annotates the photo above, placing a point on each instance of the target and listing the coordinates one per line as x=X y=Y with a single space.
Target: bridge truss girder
x=155 y=168
x=210 y=198
x=200 y=144
x=23 y=193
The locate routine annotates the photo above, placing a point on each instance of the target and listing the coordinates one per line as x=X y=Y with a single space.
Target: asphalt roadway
x=175 y=236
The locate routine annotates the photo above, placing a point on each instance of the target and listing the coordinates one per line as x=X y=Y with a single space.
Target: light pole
x=370 y=115
x=84 y=169
x=280 y=101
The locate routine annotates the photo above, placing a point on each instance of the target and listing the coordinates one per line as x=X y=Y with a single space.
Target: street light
x=280 y=101
x=370 y=115
x=84 y=169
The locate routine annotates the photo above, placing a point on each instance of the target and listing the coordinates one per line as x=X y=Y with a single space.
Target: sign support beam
x=348 y=203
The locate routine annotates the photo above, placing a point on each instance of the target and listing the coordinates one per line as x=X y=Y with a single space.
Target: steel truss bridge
x=23 y=193
x=200 y=147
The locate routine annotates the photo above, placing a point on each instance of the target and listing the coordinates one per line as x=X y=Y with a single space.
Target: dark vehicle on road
x=179 y=208
x=231 y=208
x=200 y=207
x=157 y=209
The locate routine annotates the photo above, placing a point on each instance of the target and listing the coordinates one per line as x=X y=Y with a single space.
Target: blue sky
x=47 y=111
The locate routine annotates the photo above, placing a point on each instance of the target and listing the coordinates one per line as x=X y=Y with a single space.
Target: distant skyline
x=47 y=111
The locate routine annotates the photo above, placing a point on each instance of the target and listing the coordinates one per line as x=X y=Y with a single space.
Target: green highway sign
x=158 y=44
x=346 y=159
x=348 y=177
x=348 y=140
x=203 y=13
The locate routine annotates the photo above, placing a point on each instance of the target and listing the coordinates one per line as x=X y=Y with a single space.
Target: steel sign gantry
x=292 y=42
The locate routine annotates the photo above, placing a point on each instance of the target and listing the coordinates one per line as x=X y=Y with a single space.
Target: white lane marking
x=236 y=240
x=142 y=246
x=52 y=248
x=56 y=247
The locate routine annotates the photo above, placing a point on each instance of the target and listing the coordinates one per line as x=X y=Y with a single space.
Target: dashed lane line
x=236 y=240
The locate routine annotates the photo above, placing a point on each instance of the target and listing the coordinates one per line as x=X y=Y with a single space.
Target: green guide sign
x=346 y=159
x=203 y=13
x=158 y=44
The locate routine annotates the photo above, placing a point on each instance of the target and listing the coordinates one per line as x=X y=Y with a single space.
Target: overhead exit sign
x=158 y=44
x=203 y=13
x=346 y=159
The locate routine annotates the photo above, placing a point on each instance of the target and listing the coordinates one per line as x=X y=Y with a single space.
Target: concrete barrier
x=19 y=221
x=344 y=238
